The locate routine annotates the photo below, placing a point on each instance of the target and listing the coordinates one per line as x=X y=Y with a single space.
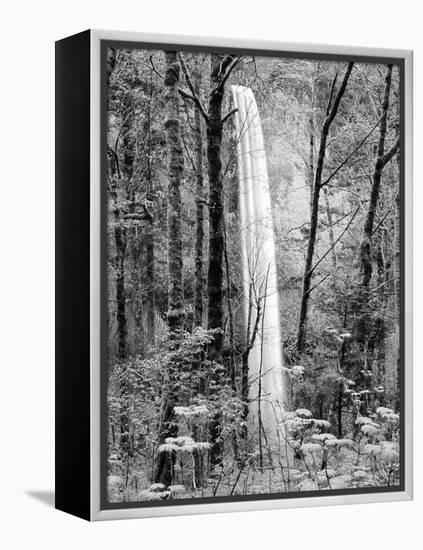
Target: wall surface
x=29 y=30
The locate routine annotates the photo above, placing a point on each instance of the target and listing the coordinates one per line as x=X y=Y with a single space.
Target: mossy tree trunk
x=175 y=313
x=221 y=67
x=199 y=210
x=149 y=233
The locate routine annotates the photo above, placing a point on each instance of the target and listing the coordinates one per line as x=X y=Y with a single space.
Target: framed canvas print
x=233 y=280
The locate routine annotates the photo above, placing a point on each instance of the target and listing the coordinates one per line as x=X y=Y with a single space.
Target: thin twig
x=335 y=243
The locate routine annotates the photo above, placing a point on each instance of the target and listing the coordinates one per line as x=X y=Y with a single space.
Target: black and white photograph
x=211 y=307
x=253 y=288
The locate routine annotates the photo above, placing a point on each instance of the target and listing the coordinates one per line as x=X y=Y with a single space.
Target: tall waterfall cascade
x=259 y=272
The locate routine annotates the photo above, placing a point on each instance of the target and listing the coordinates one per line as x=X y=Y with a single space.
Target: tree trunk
x=379 y=331
x=149 y=235
x=111 y=62
x=311 y=129
x=199 y=214
x=232 y=363
x=251 y=334
x=121 y=238
x=176 y=313
x=199 y=250
x=397 y=287
x=120 y=243
x=119 y=231
x=364 y=319
x=331 y=234
x=216 y=212
x=220 y=70
x=339 y=409
x=308 y=272
x=366 y=241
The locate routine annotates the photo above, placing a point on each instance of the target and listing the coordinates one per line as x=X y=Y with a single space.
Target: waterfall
x=259 y=273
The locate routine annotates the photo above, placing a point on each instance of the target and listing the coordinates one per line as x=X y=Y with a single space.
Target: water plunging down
x=260 y=289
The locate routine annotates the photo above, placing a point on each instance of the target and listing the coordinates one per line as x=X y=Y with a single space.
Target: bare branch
x=187 y=75
x=139 y=217
x=188 y=153
x=322 y=280
x=335 y=243
x=375 y=290
x=230 y=68
x=226 y=117
x=388 y=156
x=187 y=116
x=226 y=66
x=340 y=93
x=344 y=162
x=331 y=94
x=382 y=220
x=194 y=96
x=154 y=68
x=197 y=102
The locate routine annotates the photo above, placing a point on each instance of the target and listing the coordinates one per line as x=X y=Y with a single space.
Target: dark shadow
x=46 y=497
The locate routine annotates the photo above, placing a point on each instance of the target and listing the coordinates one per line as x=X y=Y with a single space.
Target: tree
x=199 y=201
x=369 y=322
x=149 y=234
x=331 y=112
x=120 y=245
x=176 y=312
x=397 y=288
x=221 y=68
x=382 y=159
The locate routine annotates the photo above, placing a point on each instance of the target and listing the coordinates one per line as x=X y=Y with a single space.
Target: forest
x=253 y=274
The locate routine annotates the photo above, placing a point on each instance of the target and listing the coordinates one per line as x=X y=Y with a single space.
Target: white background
x=27 y=37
